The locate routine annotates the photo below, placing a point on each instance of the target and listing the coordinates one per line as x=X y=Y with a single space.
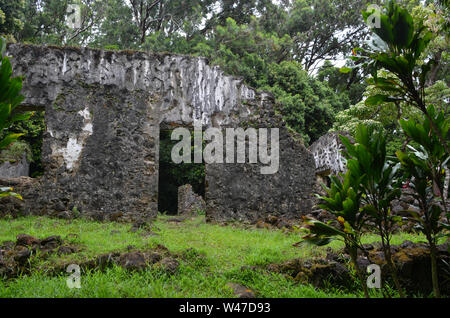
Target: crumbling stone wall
x=189 y=202
x=241 y=192
x=329 y=160
x=103 y=113
x=327 y=154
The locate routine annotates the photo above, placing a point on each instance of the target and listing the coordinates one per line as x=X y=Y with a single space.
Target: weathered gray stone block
x=15 y=169
x=327 y=151
x=189 y=203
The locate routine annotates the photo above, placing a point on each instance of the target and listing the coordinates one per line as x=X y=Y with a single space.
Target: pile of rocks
x=16 y=257
x=411 y=259
x=160 y=257
x=320 y=273
x=21 y=256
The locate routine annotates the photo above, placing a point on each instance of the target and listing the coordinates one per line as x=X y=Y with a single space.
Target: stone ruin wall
x=327 y=152
x=103 y=112
x=329 y=160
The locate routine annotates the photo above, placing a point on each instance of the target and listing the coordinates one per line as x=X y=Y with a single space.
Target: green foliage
x=10 y=98
x=308 y=105
x=395 y=84
x=343 y=200
x=376 y=176
x=369 y=166
x=385 y=116
x=350 y=83
x=11 y=17
x=116 y=28
x=323 y=29
x=368 y=163
x=16 y=151
x=426 y=167
x=33 y=133
x=399 y=77
x=398 y=48
x=399 y=52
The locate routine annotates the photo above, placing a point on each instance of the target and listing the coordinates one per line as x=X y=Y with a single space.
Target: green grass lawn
x=225 y=251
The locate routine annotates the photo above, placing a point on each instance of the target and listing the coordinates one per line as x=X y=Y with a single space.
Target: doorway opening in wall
x=24 y=155
x=172 y=176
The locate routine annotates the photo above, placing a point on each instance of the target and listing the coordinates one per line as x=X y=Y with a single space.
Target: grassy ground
x=226 y=250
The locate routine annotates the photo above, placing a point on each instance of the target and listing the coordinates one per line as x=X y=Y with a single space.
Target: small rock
x=331 y=256
x=262 y=225
x=66 y=215
x=189 y=203
x=241 y=291
x=22 y=255
x=161 y=248
x=65 y=250
x=50 y=243
x=106 y=260
x=368 y=247
x=283 y=224
x=170 y=265
x=115 y=216
x=26 y=240
x=54 y=238
x=363 y=263
x=177 y=219
x=139 y=225
x=133 y=261
x=8 y=245
x=59 y=206
x=271 y=219
x=407 y=244
x=153 y=258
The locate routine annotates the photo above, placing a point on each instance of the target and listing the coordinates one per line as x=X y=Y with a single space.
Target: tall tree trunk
x=435 y=69
x=445 y=190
